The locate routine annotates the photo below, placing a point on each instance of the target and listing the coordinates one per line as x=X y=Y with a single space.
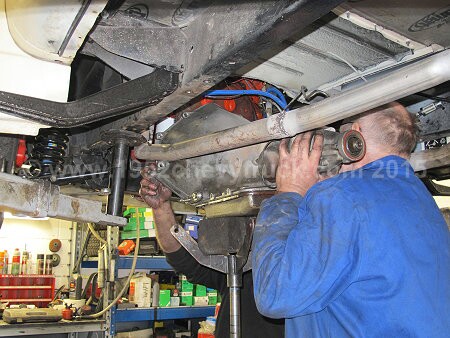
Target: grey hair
x=392 y=127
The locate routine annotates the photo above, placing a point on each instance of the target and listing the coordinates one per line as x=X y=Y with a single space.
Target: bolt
x=185 y=115
x=196 y=196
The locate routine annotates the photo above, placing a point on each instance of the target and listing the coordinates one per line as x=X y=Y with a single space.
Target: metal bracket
x=216 y=262
x=42 y=199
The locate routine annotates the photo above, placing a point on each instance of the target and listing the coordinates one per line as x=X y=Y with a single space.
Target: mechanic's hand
x=297 y=169
x=152 y=191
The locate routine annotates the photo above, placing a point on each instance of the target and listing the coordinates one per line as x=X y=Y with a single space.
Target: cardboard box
x=132 y=211
x=212 y=300
x=187 y=298
x=192 y=229
x=186 y=286
x=144 y=226
x=211 y=292
x=142 y=234
x=174 y=301
x=142 y=220
x=187 y=301
x=212 y=296
x=193 y=219
x=200 y=290
x=164 y=298
x=201 y=301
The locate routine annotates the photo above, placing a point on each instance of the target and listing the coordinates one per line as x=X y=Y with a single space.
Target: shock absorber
x=47 y=156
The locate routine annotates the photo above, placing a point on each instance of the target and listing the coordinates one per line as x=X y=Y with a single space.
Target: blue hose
x=275 y=91
x=226 y=92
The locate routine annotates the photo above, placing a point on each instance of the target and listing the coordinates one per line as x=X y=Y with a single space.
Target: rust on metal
x=75 y=206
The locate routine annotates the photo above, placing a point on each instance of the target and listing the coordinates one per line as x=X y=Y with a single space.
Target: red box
x=27 y=289
x=126 y=247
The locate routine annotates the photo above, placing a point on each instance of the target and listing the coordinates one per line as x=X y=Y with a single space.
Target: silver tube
x=234 y=283
x=408 y=80
x=235 y=312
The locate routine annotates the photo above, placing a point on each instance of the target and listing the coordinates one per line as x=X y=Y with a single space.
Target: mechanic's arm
x=157 y=197
x=304 y=251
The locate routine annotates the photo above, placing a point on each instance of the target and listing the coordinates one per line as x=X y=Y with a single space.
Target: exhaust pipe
x=408 y=80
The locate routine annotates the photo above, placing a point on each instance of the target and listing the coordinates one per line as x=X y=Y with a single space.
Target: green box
x=142 y=234
x=212 y=296
x=187 y=300
x=186 y=286
x=211 y=292
x=200 y=290
x=131 y=211
x=212 y=300
x=164 y=298
x=134 y=220
x=147 y=225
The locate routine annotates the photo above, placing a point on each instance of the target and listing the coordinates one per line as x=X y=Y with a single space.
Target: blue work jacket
x=362 y=254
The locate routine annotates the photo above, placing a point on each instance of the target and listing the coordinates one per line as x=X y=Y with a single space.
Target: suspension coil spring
x=47 y=156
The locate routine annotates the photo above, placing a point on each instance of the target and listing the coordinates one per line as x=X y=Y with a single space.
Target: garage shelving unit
x=153 y=263
x=163 y=313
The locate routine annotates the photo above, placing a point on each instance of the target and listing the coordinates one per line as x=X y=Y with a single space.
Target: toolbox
x=27 y=289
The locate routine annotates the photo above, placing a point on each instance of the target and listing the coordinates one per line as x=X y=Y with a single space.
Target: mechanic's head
x=388 y=130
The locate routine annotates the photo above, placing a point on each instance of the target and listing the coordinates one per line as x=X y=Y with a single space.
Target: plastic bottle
x=155 y=294
x=29 y=267
x=24 y=271
x=15 y=266
x=6 y=266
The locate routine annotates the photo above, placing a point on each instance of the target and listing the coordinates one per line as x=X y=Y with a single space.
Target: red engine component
x=21 y=155
x=246 y=106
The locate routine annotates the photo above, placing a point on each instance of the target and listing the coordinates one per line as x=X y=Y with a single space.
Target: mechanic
x=361 y=254
x=254 y=325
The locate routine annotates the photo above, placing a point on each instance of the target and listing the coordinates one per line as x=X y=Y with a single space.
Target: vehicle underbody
x=145 y=60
